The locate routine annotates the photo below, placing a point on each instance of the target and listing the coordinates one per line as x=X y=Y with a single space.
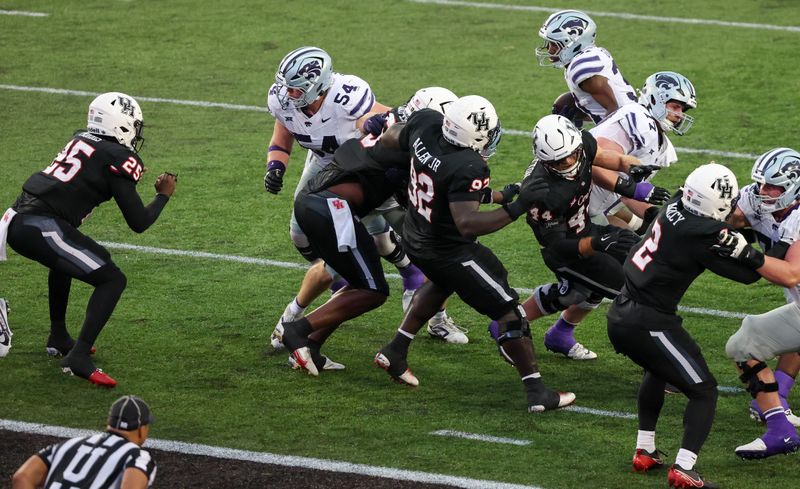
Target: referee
x=113 y=459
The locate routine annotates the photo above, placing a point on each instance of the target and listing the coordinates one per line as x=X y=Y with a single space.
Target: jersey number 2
x=644 y=256
x=67 y=164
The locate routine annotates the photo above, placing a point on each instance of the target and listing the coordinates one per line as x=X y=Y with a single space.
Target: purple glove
x=647 y=192
x=375 y=124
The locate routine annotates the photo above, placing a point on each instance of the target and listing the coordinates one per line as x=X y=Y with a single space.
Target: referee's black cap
x=129 y=412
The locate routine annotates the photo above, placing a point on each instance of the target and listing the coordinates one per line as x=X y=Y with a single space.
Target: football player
x=362 y=177
x=644 y=326
x=638 y=130
x=596 y=84
x=96 y=164
x=769 y=207
x=320 y=109
x=585 y=257
x=448 y=173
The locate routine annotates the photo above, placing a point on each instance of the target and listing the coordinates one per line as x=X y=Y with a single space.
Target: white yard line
x=477 y=437
x=256 y=108
x=275 y=459
x=23 y=13
x=619 y=15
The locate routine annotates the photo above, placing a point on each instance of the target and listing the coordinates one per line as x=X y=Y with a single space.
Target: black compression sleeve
x=138 y=217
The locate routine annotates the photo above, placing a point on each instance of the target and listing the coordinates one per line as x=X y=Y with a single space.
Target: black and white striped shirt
x=94 y=462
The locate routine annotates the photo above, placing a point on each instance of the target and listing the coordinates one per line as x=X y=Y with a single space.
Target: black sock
x=533 y=385
x=400 y=344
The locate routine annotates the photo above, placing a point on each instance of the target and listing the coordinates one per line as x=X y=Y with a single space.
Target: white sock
x=686 y=459
x=646 y=440
x=294 y=308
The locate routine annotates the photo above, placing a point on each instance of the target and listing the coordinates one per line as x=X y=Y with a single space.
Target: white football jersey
x=632 y=127
x=588 y=63
x=347 y=100
x=769 y=230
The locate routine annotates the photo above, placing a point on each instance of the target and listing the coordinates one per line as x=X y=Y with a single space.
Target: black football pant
x=69 y=254
x=658 y=343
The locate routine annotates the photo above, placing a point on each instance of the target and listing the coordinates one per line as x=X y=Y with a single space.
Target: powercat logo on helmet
x=573 y=26
x=480 y=120
x=311 y=70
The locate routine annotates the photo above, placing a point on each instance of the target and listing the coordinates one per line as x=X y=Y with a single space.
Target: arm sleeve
x=138 y=217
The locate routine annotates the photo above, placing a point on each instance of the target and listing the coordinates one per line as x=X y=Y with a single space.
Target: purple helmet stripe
x=360 y=103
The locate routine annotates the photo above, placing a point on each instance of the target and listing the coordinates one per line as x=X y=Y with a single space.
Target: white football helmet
x=471 y=122
x=119 y=116
x=711 y=191
x=436 y=98
x=780 y=167
x=308 y=69
x=571 y=30
x=660 y=88
x=554 y=138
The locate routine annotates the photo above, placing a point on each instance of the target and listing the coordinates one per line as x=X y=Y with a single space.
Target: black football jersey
x=440 y=173
x=380 y=171
x=78 y=179
x=675 y=250
x=563 y=210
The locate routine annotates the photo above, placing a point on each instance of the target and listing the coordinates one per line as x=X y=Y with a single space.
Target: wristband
x=276 y=165
x=752 y=258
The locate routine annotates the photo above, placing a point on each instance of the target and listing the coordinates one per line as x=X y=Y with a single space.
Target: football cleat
x=396 y=366
x=56 y=349
x=758 y=416
x=683 y=478
x=441 y=326
x=324 y=364
x=768 y=445
x=558 y=342
x=548 y=400
x=85 y=369
x=644 y=461
x=5 y=329
x=303 y=358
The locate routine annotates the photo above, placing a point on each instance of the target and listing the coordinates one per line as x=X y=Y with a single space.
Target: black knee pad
x=754 y=385
x=308 y=253
x=516 y=328
x=557 y=297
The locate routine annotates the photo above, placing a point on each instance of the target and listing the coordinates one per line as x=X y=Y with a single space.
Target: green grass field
x=190 y=334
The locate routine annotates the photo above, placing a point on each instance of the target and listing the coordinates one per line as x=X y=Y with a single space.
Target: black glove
x=509 y=191
x=734 y=245
x=642 y=172
x=375 y=124
x=649 y=216
x=617 y=242
x=530 y=192
x=273 y=180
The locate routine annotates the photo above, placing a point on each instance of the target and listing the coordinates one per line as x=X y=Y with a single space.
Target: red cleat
x=644 y=460
x=102 y=379
x=683 y=478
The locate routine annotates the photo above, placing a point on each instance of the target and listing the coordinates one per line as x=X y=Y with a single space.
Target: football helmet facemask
x=307 y=69
x=779 y=167
x=663 y=87
x=471 y=122
x=571 y=31
x=117 y=115
x=711 y=191
x=554 y=139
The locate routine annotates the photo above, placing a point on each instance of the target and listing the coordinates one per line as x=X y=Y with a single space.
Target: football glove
x=647 y=192
x=486 y=195
x=273 y=180
x=732 y=244
x=375 y=124
x=529 y=192
x=617 y=243
x=509 y=191
x=642 y=172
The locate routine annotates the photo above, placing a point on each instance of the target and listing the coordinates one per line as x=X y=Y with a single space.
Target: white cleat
x=580 y=352
x=564 y=400
x=303 y=358
x=276 y=338
x=442 y=326
x=405 y=377
x=5 y=329
x=329 y=364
